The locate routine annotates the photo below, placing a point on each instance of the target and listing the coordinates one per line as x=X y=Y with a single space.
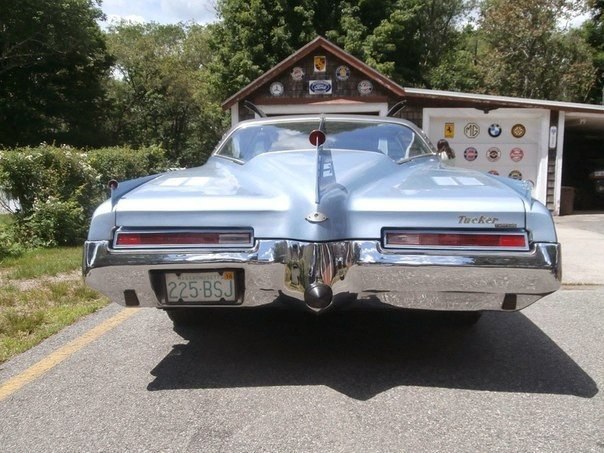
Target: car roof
x=327 y=117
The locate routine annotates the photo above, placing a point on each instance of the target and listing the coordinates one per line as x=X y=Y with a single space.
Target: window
x=392 y=139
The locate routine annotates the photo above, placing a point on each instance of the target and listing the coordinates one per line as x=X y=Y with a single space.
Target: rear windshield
x=394 y=140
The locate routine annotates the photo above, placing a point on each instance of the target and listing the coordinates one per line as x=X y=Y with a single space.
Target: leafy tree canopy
x=594 y=34
x=401 y=38
x=158 y=92
x=527 y=54
x=515 y=48
x=52 y=62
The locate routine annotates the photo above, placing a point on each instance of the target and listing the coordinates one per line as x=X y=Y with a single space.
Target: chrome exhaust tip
x=318 y=296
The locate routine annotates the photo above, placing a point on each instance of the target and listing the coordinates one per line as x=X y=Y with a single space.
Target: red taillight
x=420 y=239
x=179 y=239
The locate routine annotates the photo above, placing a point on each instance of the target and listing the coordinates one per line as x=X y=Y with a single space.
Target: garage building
x=555 y=145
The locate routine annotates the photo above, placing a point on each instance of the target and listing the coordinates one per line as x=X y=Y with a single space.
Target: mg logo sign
x=471 y=130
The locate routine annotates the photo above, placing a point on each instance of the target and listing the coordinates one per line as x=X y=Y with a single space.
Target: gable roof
x=316 y=44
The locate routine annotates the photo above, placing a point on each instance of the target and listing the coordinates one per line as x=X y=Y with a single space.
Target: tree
x=159 y=94
x=459 y=69
x=401 y=38
x=414 y=38
x=52 y=63
x=594 y=34
x=528 y=55
x=255 y=35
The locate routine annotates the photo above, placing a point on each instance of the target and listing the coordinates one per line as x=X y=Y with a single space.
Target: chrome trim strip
x=433 y=280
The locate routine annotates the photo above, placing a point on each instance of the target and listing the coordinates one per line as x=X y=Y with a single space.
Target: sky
x=174 y=11
x=161 y=11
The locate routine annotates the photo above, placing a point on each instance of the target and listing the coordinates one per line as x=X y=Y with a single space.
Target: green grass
x=33 y=308
x=28 y=317
x=5 y=219
x=40 y=262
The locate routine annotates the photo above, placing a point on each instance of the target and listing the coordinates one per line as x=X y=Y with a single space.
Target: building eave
x=487 y=100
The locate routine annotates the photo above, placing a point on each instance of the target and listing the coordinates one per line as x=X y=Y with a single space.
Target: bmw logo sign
x=494 y=130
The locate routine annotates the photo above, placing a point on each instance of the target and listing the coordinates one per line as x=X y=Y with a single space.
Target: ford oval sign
x=319 y=87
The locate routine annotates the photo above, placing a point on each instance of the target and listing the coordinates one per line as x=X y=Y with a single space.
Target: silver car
x=318 y=211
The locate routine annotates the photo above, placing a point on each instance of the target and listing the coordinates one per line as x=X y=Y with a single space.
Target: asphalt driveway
x=269 y=380
x=582 y=239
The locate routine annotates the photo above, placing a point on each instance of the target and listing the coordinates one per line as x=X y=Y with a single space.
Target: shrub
x=126 y=163
x=9 y=246
x=58 y=188
x=53 y=222
x=30 y=174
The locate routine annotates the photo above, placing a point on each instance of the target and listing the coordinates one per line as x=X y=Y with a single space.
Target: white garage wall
x=534 y=143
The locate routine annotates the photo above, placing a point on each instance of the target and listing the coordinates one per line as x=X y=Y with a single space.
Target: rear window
x=394 y=140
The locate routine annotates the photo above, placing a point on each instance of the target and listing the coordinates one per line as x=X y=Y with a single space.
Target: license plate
x=195 y=287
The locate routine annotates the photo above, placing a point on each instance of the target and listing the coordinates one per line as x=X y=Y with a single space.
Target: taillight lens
x=465 y=240
x=183 y=239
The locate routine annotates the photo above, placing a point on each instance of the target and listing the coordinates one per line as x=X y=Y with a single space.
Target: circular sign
x=471 y=130
x=516 y=154
x=515 y=174
x=297 y=74
x=343 y=73
x=470 y=154
x=518 y=130
x=365 y=87
x=494 y=130
x=494 y=172
x=493 y=154
x=276 y=88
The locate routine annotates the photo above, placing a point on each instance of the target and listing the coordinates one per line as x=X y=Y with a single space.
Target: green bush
x=58 y=188
x=126 y=163
x=30 y=174
x=9 y=246
x=53 y=222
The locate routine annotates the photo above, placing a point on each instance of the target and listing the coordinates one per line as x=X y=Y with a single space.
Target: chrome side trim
x=457 y=280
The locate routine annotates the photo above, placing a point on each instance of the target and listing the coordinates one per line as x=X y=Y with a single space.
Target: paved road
x=274 y=381
x=582 y=239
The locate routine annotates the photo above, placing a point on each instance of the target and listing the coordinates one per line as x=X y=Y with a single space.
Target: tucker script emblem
x=482 y=219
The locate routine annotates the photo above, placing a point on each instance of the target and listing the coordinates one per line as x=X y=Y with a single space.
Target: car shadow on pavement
x=364 y=353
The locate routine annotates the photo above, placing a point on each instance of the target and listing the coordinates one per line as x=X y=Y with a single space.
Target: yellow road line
x=64 y=352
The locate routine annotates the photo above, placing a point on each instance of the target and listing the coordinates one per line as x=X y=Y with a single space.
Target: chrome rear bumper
x=430 y=280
